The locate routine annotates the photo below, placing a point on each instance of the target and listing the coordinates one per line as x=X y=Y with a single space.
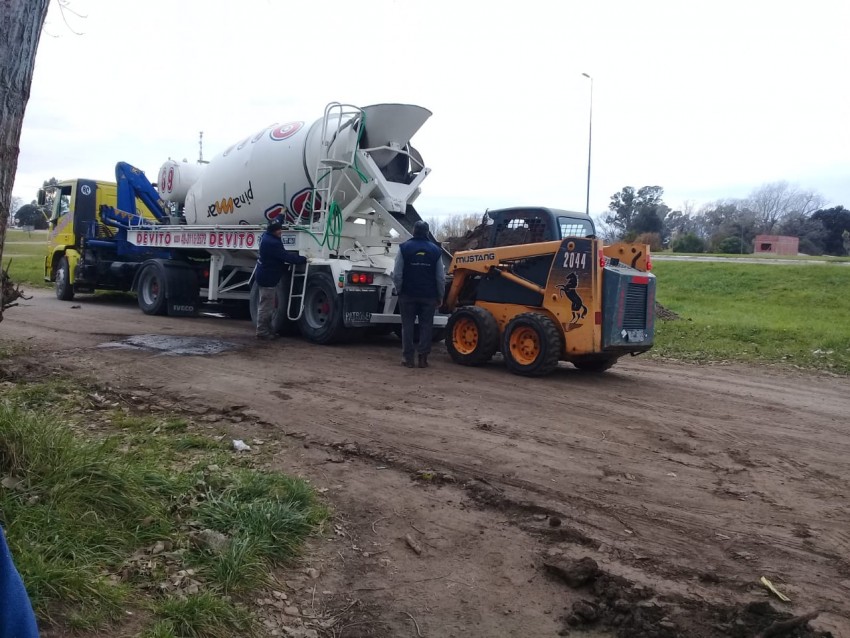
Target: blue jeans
x=413 y=308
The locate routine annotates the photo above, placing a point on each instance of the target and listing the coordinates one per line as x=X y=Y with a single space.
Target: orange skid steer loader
x=572 y=300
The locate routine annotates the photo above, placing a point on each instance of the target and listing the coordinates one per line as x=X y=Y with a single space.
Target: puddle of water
x=173 y=345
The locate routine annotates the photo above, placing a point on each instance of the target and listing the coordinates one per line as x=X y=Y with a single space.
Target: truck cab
x=80 y=247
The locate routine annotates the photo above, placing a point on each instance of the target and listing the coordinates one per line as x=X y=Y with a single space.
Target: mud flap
x=358 y=304
x=182 y=290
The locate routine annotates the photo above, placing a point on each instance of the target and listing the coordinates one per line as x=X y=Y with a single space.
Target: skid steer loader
x=559 y=296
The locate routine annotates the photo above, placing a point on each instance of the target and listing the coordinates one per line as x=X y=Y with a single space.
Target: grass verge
x=752 y=312
x=107 y=512
x=23 y=256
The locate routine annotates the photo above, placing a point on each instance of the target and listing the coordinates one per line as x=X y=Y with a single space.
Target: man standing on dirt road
x=270 y=266
x=420 y=282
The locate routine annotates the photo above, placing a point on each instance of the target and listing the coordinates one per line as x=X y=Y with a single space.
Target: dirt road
x=685 y=484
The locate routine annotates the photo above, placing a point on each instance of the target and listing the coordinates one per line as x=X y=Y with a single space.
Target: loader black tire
x=280 y=321
x=322 y=320
x=595 y=364
x=472 y=336
x=64 y=287
x=151 y=290
x=531 y=345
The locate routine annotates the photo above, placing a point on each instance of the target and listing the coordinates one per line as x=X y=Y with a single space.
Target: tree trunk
x=20 y=24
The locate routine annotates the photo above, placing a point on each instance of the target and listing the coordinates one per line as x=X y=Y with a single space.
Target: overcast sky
x=707 y=99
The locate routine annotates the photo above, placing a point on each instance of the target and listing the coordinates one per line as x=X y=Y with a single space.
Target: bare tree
x=456 y=225
x=21 y=22
x=772 y=202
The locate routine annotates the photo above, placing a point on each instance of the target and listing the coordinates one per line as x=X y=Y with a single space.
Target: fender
x=73 y=257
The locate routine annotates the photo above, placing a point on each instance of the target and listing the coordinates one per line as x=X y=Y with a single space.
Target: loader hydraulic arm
x=497 y=261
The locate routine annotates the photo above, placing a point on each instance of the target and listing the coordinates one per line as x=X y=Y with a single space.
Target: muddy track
x=689 y=481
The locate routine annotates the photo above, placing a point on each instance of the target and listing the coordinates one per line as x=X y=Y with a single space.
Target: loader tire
x=472 y=336
x=531 y=345
x=151 y=290
x=322 y=320
x=64 y=287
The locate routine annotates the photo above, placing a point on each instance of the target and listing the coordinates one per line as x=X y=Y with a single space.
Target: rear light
x=603 y=260
x=361 y=278
x=648 y=261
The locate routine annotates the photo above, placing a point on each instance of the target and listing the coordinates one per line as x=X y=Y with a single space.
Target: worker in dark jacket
x=16 y=617
x=271 y=264
x=420 y=282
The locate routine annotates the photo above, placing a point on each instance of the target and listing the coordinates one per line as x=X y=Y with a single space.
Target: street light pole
x=589 y=144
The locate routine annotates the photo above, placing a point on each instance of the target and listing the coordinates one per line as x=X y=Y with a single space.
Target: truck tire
x=280 y=323
x=472 y=336
x=151 y=290
x=531 y=345
x=64 y=287
x=595 y=364
x=322 y=321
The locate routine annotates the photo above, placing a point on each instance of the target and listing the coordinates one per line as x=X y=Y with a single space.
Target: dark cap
x=421 y=228
x=273 y=226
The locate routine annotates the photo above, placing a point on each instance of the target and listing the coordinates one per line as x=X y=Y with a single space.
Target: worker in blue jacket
x=420 y=282
x=17 y=619
x=271 y=264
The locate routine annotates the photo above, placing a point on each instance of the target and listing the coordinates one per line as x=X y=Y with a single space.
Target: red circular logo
x=285 y=131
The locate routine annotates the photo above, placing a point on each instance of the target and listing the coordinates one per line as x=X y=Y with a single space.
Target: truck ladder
x=323 y=177
x=299 y=296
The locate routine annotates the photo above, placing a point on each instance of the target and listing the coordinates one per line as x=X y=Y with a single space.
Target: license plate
x=635 y=335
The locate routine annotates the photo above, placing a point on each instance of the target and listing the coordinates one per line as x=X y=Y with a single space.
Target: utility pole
x=589 y=144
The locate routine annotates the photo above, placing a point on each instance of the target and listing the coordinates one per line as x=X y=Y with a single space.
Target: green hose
x=333 y=225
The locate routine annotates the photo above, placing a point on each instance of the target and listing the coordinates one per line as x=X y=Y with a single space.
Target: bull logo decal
x=568 y=290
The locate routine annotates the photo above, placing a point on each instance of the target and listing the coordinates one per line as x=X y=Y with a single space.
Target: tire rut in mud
x=616 y=604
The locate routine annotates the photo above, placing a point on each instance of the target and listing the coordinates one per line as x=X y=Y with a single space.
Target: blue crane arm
x=132 y=183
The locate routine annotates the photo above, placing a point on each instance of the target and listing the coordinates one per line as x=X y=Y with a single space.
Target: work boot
x=423 y=361
x=407 y=363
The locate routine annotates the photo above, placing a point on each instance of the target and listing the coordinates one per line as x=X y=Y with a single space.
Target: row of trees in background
x=731 y=225
x=723 y=226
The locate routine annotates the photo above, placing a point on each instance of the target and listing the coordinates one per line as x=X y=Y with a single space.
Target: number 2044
x=575 y=260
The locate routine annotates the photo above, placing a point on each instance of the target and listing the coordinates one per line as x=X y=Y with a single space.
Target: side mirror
x=42 y=198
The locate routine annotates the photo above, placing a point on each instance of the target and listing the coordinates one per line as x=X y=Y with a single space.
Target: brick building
x=777 y=244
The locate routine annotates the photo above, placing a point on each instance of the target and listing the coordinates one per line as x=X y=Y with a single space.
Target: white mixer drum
x=176 y=178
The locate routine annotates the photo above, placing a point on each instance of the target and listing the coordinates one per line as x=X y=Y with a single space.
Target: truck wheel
x=151 y=290
x=472 y=336
x=531 y=344
x=321 y=321
x=64 y=288
x=280 y=323
x=595 y=364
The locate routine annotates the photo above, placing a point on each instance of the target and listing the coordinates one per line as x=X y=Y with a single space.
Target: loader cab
x=514 y=226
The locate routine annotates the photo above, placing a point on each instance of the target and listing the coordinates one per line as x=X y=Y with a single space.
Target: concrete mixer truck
x=343 y=186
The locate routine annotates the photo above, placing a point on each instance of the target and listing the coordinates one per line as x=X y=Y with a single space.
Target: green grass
x=23 y=255
x=203 y=616
x=89 y=496
x=765 y=256
x=749 y=312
